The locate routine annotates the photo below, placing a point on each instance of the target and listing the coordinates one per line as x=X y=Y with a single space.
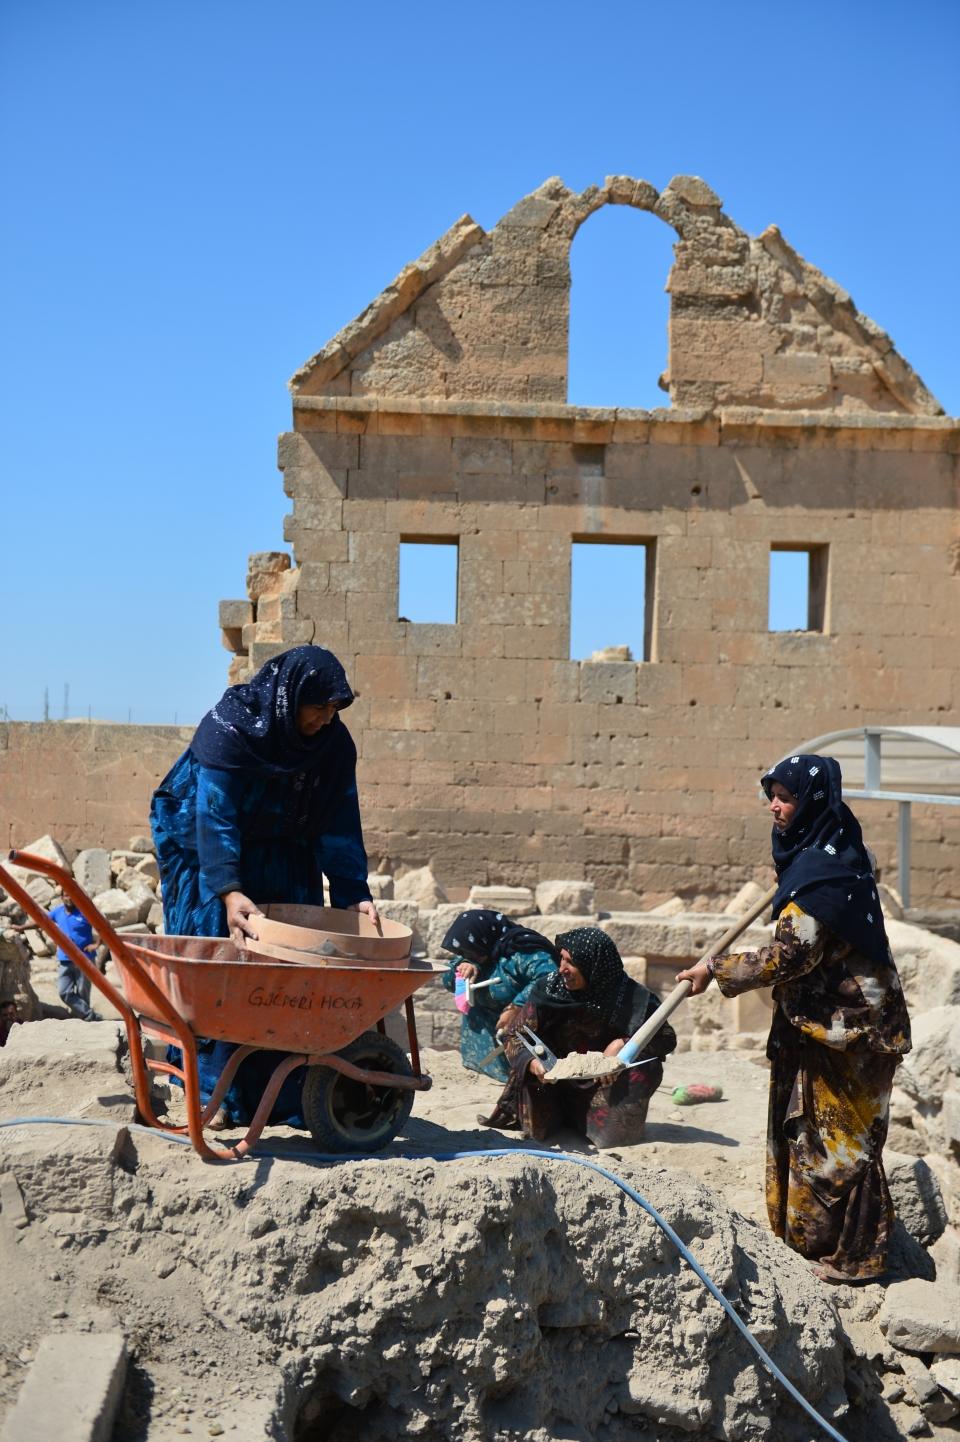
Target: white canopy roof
x=919 y=762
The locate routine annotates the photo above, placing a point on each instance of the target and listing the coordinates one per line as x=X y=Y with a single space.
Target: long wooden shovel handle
x=632 y=1049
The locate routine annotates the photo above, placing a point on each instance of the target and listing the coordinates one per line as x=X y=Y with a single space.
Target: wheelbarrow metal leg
x=271 y=1092
x=412 y=1036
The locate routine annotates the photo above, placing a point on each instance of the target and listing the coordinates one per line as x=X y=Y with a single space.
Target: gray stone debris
x=381 y=885
x=919 y=1316
x=748 y=895
x=916 y=1196
x=510 y=899
x=72 y=1390
x=566 y=897
x=91 y=868
x=118 y=907
x=420 y=886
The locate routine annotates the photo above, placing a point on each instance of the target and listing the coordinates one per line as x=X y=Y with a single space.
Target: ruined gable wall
x=486 y=316
x=486 y=751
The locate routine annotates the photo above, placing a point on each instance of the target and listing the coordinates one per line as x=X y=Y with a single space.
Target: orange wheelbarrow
x=326 y=1016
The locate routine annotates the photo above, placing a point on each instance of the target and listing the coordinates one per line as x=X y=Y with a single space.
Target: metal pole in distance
x=903 y=851
x=871 y=761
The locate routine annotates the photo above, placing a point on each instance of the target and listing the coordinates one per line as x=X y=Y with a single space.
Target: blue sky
x=197 y=196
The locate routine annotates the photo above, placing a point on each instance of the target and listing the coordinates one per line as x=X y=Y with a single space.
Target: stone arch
x=484 y=316
x=618 y=327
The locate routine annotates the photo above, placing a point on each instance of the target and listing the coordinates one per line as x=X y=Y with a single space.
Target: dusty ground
x=368 y=1302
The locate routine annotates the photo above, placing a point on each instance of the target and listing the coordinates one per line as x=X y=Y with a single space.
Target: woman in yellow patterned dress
x=839 y=1029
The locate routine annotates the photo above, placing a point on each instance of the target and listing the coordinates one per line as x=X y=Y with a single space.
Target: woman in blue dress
x=487 y=944
x=260 y=807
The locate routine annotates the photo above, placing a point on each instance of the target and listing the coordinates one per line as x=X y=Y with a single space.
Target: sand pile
x=406 y=1297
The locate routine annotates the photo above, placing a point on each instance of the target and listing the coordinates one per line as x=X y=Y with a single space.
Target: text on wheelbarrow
x=262 y=997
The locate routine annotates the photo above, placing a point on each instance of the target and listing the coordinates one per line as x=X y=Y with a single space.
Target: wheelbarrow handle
x=629 y=1052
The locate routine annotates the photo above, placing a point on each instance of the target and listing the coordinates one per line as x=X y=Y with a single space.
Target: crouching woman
x=507 y=959
x=589 y=1004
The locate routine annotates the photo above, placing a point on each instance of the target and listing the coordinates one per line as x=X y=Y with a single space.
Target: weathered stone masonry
x=440 y=413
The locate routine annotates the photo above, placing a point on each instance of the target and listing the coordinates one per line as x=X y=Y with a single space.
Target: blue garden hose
x=591 y=1166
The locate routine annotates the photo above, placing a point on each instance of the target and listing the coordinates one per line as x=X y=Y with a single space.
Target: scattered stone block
x=407 y=913
x=929 y=966
x=946 y=1373
x=950 y=1119
x=927 y=1070
x=143 y=845
x=748 y=895
x=44 y=893
x=511 y=900
x=37 y=942
x=567 y=897
x=918 y=1316
x=946 y=1257
x=148 y=867
x=673 y=907
x=890 y=902
x=420 y=886
x=46 y=848
x=612 y=654
x=91 y=869
x=72 y=1390
x=916 y=1196
x=121 y=860
x=117 y=907
x=556 y=922
x=381 y=885
x=13 y=1211
x=435 y=925
x=155 y=917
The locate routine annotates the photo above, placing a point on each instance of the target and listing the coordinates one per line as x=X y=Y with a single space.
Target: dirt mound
x=400 y=1298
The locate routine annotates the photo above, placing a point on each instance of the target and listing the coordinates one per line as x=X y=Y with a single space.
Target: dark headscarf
x=821 y=861
x=253 y=728
x=596 y=957
x=483 y=937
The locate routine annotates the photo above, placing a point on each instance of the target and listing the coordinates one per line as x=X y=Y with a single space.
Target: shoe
x=503 y=1121
x=219 y=1121
x=93 y=1016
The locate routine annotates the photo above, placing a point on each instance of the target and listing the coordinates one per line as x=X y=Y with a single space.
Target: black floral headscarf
x=596 y=957
x=253 y=729
x=483 y=937
x=821 y=861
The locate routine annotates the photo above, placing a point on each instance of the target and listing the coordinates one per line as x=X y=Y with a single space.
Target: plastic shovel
x=580 y=1067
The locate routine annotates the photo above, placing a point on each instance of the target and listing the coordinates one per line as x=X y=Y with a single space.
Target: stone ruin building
x=440 y=415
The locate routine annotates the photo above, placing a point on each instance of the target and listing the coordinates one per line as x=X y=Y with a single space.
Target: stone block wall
x=86 y=783
x=489 y=753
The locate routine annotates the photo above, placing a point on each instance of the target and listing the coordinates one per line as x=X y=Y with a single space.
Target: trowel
x=581 y=1067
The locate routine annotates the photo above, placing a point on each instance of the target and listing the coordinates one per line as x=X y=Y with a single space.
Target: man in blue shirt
x=73 y=986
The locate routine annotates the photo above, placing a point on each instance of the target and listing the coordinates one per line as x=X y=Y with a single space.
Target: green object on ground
x=688 y=1096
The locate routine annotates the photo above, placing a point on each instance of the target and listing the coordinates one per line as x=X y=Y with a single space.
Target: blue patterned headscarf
x=253 y=727
x=484 y=936
x=821 y=861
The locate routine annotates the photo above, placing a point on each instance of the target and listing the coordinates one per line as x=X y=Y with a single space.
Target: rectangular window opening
x=612 y=599
x=798 y=588
x=428 y=579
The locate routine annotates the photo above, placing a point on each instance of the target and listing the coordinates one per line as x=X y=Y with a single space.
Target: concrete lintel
x=72 y=1390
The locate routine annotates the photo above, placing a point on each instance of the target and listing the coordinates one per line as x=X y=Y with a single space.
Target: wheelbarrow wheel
x=344 y=1115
